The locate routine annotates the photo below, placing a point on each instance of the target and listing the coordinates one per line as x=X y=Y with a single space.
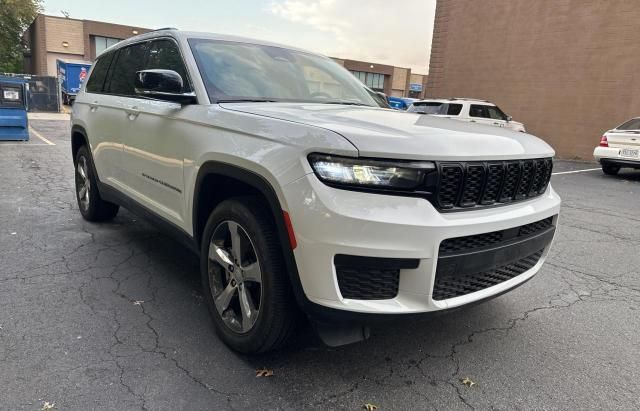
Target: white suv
x=465 y=109
x=297 y=190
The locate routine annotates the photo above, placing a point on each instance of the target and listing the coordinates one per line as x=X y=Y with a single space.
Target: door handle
x=132 y=112
x=93 y=107
x=472 y=121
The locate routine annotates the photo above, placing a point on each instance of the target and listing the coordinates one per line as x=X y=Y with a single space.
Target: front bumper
x=330 y=222
x=611 y=156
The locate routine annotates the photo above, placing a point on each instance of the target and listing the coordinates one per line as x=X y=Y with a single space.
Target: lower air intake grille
x=474 y=242
x=450 y=286
x=368 y=284
x=370 y=278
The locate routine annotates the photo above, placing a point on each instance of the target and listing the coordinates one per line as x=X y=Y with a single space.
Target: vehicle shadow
x=418 y=354
x=628 y=174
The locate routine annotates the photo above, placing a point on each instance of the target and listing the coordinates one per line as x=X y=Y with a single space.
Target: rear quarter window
x=426 y=108
x=476 y=110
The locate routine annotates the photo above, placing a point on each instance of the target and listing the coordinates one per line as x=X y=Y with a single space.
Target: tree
x=15 y=17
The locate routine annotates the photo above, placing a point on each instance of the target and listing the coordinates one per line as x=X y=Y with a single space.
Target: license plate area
x=630 y=153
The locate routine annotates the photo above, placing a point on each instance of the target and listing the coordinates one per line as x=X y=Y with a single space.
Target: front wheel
x=610 y=169
x=91 y=205
x=244 y=278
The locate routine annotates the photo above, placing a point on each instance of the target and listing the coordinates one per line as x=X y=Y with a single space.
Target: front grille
x=479 y=241
x=368 y=284
x=467 y=185
x=452 y=285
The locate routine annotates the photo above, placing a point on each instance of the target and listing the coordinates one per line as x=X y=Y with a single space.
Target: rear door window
x=477 y=110
x=99 y=74
x=454 y=109
x=130 y=60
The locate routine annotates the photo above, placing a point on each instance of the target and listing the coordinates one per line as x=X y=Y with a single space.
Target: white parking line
x=41 y=137
x=576 y=171
x=2 y=144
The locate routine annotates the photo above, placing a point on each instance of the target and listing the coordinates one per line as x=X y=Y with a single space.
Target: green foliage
x=15 y=17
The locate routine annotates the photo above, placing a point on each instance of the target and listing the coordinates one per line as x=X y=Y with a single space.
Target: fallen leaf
x=137 y=302
x=370 y=407
x=467 y=381
x=48 y=406
x=264 y=373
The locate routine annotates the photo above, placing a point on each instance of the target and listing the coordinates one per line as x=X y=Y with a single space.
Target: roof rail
x=165 y=28
x=469 y=99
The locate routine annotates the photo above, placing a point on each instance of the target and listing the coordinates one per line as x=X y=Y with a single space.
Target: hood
x=395 y=134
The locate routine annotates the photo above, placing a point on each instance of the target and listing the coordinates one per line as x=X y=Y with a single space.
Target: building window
x=103 y=43
x=374 y=81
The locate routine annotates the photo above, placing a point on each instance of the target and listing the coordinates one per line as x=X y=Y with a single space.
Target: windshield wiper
x=344 y=102
x=247 y=100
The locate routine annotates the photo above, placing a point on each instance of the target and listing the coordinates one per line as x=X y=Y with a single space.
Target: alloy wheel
x=83 y=183
x=235 y=277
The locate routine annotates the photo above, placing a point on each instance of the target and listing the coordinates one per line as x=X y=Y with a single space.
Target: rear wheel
x=244 y=279
x=91 y=205
x=610 y=169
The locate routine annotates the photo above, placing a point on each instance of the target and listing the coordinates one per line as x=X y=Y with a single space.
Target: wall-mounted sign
x=415 y=87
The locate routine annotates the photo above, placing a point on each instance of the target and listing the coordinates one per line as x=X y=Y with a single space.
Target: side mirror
x=162 y=85
x=509 y=118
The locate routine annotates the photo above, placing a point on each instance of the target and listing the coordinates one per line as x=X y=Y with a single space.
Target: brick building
x=568 y=69
x=393 y=81
x=50 y=38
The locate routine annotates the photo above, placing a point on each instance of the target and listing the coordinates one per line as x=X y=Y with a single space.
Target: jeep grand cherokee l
x=301 y=194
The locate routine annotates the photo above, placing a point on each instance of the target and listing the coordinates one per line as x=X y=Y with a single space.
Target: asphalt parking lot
x=111 y=316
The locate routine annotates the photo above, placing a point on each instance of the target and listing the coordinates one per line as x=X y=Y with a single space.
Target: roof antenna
x=65 y=13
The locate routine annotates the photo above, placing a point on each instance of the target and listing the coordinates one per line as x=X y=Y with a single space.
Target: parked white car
x=306 y=194
x=620 y=147
x=465 y=109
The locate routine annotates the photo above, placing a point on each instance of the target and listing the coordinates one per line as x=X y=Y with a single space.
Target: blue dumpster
x=71 y=77
x=14 y=124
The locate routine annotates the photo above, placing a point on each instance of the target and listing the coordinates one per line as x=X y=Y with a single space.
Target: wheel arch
x=234 y=181
x=78 y=139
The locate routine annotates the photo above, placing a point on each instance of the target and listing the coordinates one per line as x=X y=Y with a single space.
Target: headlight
x=370 y=173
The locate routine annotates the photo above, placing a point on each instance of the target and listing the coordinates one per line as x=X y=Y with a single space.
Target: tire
x=610 y=169
x=277 y=313
x=91 y=205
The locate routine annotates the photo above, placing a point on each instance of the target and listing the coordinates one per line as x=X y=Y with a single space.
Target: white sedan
x=620 y=147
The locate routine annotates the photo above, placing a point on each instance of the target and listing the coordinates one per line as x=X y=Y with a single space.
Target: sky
x=397 y=33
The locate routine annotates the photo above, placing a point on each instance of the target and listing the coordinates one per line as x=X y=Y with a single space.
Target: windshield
x=234 y=71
